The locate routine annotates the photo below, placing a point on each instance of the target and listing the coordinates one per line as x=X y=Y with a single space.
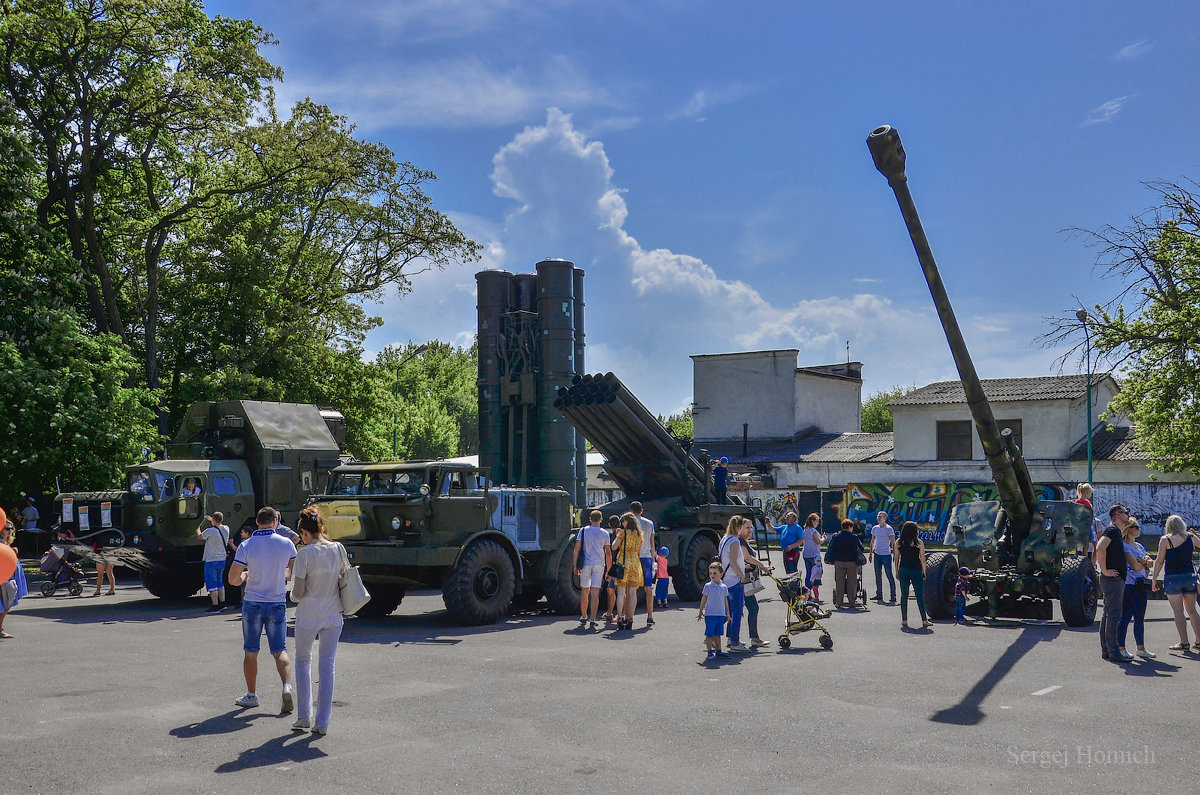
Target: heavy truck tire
x=941 y=570
x=173 y=584
x=481 y=588
x=563 y=592
x=689 y=581
x=1077 y=592
x=384 y=599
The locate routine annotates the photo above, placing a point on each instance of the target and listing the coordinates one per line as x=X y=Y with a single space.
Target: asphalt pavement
x=130 y=694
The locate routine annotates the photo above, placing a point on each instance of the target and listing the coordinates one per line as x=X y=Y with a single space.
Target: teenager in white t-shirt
x=882 y=537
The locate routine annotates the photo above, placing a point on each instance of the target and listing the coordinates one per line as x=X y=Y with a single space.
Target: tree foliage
x=876 y=415
x=679 y=424
x=1151 y=327
x=211 y=247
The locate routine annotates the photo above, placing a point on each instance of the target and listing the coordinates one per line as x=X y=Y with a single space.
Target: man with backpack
x=593 y=556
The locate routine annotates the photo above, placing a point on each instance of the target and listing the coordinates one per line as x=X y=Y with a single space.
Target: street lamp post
x=1087 y=341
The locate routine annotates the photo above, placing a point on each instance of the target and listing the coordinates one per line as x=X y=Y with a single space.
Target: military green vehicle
x=658 y=470
x=442 y=524
x=1024 y=552
x=232 y=456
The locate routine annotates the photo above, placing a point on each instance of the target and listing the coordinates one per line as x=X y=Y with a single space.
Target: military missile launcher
x=657 y=469
x=1025 y=552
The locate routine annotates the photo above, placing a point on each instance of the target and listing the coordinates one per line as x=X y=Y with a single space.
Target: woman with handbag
x=1137 y=592
x=752 y=583
x=320 y=565
x=12 y=589
x=627 y=570
x=910 y=570
x=733 y=563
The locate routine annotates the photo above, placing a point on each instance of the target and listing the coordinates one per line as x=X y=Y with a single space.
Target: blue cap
x=724 y=460
x=664 y=551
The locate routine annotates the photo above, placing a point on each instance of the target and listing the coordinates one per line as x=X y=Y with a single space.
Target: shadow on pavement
x=967 y=712
x=296 y=747
x=232 y=721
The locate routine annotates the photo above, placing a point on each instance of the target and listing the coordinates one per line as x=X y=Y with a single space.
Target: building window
x=954 y=440
x=1016 y=431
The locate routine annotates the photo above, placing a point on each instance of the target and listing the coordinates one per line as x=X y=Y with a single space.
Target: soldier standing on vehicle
x=264 y=563
x=592 y=541
x=646 y=557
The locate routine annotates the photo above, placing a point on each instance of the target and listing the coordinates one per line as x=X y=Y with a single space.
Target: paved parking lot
x=129 y=694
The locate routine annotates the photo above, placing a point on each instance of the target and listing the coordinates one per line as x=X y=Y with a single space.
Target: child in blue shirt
x=714 y=610
x=962 y=586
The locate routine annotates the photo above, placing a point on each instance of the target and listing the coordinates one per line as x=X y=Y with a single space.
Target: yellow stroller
x=803 y=615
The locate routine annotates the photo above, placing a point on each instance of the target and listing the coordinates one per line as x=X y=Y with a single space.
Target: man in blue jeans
x=264 y=563
x=882 y=536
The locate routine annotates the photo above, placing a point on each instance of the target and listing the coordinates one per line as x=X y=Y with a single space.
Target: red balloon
x=8 y=562
x=3 y=518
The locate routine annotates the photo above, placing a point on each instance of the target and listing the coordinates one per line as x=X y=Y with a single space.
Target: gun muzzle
x=888 y=152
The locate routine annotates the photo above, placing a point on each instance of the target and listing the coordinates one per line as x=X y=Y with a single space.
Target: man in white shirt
x=30 y=516
x=216 y=545
x=592 y=541
x=646 y=556
x=264 y=563
x=882 y=536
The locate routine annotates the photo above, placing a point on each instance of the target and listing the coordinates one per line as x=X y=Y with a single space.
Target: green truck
x=442 y=524
x=230 y=456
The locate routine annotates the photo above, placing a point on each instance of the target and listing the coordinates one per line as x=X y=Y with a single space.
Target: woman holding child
x=626 y=549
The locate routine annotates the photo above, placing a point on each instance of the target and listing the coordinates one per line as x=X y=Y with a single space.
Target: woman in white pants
x=320 y=564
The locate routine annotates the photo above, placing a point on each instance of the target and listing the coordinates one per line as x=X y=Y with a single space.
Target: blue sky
x=705 y=162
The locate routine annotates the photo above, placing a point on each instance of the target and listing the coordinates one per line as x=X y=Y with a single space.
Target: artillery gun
x=1025 y=552
x=653 y=466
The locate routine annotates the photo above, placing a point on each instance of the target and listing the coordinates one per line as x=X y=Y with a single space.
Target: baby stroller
x=59 y=571
x=804 y=615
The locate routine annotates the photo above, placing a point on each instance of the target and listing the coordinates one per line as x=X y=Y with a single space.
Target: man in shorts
x=646 y=557
x=216 y=545
x=264 y=563
x=597 y=557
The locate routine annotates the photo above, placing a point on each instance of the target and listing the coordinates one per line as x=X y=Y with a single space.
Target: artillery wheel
x=480 y=589
x=1077 y=592
x=48 y=588
x=689 y=582
x=785 y=642
x=826 y=642
x=563 y=591
x=941 y=570
x=173 y=584
x=384 y=599
x=75 y=588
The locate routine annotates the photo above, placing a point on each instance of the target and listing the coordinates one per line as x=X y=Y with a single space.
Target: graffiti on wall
x=928 y=504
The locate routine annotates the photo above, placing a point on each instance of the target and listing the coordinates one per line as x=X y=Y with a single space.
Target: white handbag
x=351 y=591
x=753 y=582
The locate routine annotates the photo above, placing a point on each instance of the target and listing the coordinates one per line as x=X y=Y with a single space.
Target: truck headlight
x=395 y=522
x=149 y=521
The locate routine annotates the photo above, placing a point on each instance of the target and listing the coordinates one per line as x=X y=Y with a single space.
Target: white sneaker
x=248 y=700
x=302 y=723
x=758 y=643
x=1146 y=654
x=320 y=730
x=741 y=648
x=289 y=703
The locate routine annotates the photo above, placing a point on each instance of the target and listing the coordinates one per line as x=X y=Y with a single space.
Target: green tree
x=876 y=416
x=1149 y=329
x=679 y=424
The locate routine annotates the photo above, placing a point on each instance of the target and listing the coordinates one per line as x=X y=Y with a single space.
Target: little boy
x=817 y=571
x=962 y=587
x=660 y=588
x=714 y=610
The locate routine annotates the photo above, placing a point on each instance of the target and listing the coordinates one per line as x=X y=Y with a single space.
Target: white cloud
x=1105 y=111
x=429 y=21
x=705 y=98
x=1135 y=50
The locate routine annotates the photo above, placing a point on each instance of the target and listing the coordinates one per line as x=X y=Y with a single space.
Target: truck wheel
x=689 y=581
x=563 y=592
x=173 y=584
x=1077 y=592
x=384 y=600
x=480 y=590
x=941 y=570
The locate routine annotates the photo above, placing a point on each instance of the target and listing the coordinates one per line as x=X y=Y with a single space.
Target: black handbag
x=617 y=570
x=862 y=559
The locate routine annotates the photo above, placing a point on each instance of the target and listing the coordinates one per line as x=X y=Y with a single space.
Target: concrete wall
x=834 y=405
x=757 y=387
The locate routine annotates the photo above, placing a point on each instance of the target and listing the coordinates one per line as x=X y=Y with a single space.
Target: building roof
x=1049 y=387
x=828 y=448
x=1111 y=445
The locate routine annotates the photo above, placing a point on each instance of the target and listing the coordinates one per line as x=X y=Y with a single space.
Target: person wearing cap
x=721 y=480
x=1110 y=559
x=962 y=587
x=660 y=587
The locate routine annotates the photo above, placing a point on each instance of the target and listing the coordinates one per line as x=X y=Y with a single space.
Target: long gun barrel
x=1016 y=494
